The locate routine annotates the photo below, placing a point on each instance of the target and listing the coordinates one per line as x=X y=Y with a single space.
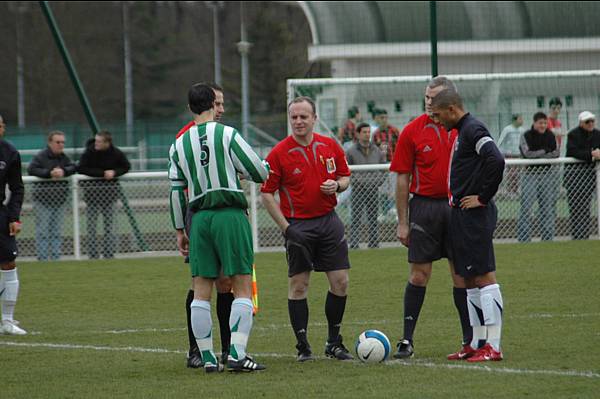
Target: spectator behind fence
x=346 y=133
x=50 y=197
x=365 y=186
x=554 y=124
x=101 y=159
x=508 y=143
x=386 y=135
x=538 y=180
x=583 y=143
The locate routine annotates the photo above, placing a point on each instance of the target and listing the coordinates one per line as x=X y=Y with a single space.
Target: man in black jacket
x=583 y=143
x=103 y=160
x=50 y=197
x=538 y=181
x=10 y=226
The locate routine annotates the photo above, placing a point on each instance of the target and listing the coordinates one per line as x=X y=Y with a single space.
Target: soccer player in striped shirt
x=206 y=161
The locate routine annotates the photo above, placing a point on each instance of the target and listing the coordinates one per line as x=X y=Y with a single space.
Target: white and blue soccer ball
x=372 y=346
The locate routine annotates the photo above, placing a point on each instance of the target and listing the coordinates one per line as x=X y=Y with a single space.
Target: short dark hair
x=201 y=97
x=446 y=98
x=353 y=111
x=516 y=116
x=361 y=126
x=54 y=133
x=302 y=99
x=555 y=101
x=105 y=134
x=539 y=115
x=379 y=111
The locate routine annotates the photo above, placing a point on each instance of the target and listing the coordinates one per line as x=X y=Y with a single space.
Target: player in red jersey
x=421 y=161
x=308 y=170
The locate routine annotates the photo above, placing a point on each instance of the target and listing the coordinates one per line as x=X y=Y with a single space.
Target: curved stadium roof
x=358 y=22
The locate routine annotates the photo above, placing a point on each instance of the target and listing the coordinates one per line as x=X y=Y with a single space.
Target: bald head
x=447 y=98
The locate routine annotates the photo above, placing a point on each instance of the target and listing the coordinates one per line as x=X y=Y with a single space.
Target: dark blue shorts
x=472 y=232
x=429 y=221
x=324 y=247
x=8 y=243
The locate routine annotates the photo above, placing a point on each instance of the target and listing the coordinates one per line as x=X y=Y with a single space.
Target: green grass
x=550 y=338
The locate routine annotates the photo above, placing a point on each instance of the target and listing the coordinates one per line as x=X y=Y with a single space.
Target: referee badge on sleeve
x=330 y=164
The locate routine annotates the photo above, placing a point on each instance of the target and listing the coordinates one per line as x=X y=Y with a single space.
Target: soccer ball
x=372 y=346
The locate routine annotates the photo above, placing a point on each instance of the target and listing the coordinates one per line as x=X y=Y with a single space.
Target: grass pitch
x=107 y=329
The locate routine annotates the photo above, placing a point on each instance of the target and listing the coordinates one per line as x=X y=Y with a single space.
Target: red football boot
x=484 y=354
x=464 y=353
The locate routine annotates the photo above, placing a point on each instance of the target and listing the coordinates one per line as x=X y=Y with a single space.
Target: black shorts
x=429 y=221
x=325 y=249
x=8 y=243
x=472 y=232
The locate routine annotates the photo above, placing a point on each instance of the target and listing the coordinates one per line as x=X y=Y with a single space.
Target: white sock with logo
x=492 y=307
x=202 y=328
x=10 y=293
x=476 y=318
x=240 y=322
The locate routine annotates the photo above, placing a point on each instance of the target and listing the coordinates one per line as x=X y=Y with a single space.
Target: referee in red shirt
x=421 y=161
x=308 y=170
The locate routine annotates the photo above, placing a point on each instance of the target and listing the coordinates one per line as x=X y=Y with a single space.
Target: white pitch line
x=423 y=363
x=267 y=327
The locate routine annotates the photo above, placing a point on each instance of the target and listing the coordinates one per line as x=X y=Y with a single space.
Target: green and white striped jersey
x=206 y=161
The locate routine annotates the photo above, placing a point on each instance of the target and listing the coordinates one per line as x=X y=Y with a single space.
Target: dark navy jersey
x=477 y=164
x=10 y=174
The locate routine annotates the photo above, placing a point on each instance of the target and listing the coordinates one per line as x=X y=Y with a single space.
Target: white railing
x=142 y=221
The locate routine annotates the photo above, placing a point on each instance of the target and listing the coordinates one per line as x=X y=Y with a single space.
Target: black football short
x=429 y=221
x=321 y=246
x=472 y=232
x=8 y=243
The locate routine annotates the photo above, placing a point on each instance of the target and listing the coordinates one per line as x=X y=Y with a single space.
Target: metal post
x=598 y=194
x=75 y=206
x=70 y=67
x=433 y=33
x=128 y=75
x=244 y=48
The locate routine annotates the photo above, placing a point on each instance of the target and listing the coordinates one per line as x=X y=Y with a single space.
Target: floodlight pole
x=62 y=48
x=433 y=34
x=128 y=74
x=244 y=48
x=216 y=6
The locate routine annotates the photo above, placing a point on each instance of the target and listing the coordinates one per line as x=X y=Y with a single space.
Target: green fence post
x=433 y=34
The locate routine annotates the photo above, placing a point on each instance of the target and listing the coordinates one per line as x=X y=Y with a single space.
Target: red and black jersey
x=298 y=171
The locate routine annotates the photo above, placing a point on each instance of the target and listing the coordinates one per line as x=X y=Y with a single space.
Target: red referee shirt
x=423 y=150
x=298 y=171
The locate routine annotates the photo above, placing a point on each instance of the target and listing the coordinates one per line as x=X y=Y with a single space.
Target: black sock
x=224 y=301
x=188 y=311
x=413 y=302
x=298 y=309
x=334 y=310
x=460 y=301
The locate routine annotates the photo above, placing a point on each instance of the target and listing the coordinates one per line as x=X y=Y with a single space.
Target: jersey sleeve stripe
x=250 y=160
x=177 y=204
x=482 y=141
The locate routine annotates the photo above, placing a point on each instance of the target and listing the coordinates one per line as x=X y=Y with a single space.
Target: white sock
x=10 y=293
x=492 y=306
x=240 y=322
x=202 y=328
x=476 y=318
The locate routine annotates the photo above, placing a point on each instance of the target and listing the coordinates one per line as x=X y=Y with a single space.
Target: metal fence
x=82 y=217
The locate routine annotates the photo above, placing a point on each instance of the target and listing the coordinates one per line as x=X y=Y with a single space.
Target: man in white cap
x=583 y=143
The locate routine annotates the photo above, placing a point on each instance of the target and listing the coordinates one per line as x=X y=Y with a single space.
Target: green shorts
x=220 y=240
